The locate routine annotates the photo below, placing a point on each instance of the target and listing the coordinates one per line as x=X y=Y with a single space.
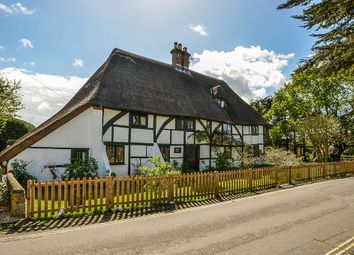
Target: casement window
x=226 y=128
x=79 y=154
x=254 y=130
x=220 y=102
x=115 y=154
x=139 y=120
x=165 y=151
x=253 y=150
x=185 y=124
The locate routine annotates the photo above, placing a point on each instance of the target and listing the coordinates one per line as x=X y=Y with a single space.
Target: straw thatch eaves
x=130 y=82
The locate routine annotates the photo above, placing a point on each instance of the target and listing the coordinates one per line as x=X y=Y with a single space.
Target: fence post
x=216 y=184
x=250 y=177
x=309 y=173
x=170 y=189
x=276 y=177
x=28 y=197
x=289 y=174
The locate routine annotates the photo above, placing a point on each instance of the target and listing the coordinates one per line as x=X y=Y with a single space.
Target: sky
x=53 y=47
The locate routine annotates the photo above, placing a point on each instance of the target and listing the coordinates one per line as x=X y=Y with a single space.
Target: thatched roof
x=131 y=82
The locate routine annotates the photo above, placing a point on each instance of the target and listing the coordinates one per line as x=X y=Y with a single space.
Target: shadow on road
x=30 y=225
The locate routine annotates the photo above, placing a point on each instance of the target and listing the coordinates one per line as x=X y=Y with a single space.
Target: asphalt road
x=311 y=219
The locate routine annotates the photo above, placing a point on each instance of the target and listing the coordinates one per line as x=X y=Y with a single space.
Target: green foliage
x=323 y=132
x=19 y=168
x=161 y=169
x=4 y=193
x=14 y=129
x=215 y=137
x=81 y=168
x=349 y=151
x=223 y=161
x=10 y=100
x=309 y=95
x=158 y=168
x=263 y=105
x=334 y=24
x=280 y=157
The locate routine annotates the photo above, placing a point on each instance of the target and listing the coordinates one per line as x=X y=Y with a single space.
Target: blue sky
x=73 y=38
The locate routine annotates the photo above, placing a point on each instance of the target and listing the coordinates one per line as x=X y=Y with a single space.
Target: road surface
x=311 y=219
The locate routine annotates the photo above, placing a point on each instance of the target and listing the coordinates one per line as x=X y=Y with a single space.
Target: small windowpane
x=139 y=120
x=226 y=128
x=120 y=154
x=115 y=154
x=220 y=102
x=185 y=124
x=256 y=151
x=179 y=124
x=79 y=154
x=254 y=130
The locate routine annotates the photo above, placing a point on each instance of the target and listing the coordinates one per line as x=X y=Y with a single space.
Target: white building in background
x=131 y=104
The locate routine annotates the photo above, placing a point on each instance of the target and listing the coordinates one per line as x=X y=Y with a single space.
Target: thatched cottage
x=134 y=107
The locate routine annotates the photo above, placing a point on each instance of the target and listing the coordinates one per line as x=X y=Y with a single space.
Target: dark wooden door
x=191 y=157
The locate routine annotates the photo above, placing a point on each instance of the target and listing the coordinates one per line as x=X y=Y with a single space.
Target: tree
x=262 y=105
x=323 y=132
x=10 y=100
x=308 y=95
x=333 y=22
x=14 y=129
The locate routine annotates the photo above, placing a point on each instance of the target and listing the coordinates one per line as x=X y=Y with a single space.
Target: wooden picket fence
x=86 y=195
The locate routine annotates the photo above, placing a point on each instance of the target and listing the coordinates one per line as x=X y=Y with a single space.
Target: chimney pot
x=180 y=56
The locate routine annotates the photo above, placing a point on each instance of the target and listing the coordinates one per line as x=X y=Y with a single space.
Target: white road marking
x=339 y=247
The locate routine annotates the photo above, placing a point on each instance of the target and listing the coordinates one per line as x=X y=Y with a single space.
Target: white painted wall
x=83 y=131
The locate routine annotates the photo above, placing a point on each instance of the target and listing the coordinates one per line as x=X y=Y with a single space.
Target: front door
x=191 y=157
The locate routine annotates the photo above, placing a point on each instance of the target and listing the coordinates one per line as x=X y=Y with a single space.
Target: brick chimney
x=180 y=56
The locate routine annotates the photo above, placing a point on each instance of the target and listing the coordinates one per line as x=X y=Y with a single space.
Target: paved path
x=311 y=219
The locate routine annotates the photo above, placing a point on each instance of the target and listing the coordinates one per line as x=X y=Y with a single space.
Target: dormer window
x=219 y=95
x=220 y=102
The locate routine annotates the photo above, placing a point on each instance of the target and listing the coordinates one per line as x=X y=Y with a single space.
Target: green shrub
x=223 y=161
x=19 y=168
x=349 y=151
x=82 y=168
x=158 y=169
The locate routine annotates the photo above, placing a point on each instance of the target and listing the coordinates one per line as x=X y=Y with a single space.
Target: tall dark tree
x=333 y=21
x=14 y=129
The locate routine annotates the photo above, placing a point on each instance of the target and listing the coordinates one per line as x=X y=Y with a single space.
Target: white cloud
x=26 y=43
x=248 y=71
x=78 y=62
x=199 y=29
x=10 y=59
x=5 y=9
x=41 y=103
x=43 y=106
x=16 y=8
x=2 y=47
